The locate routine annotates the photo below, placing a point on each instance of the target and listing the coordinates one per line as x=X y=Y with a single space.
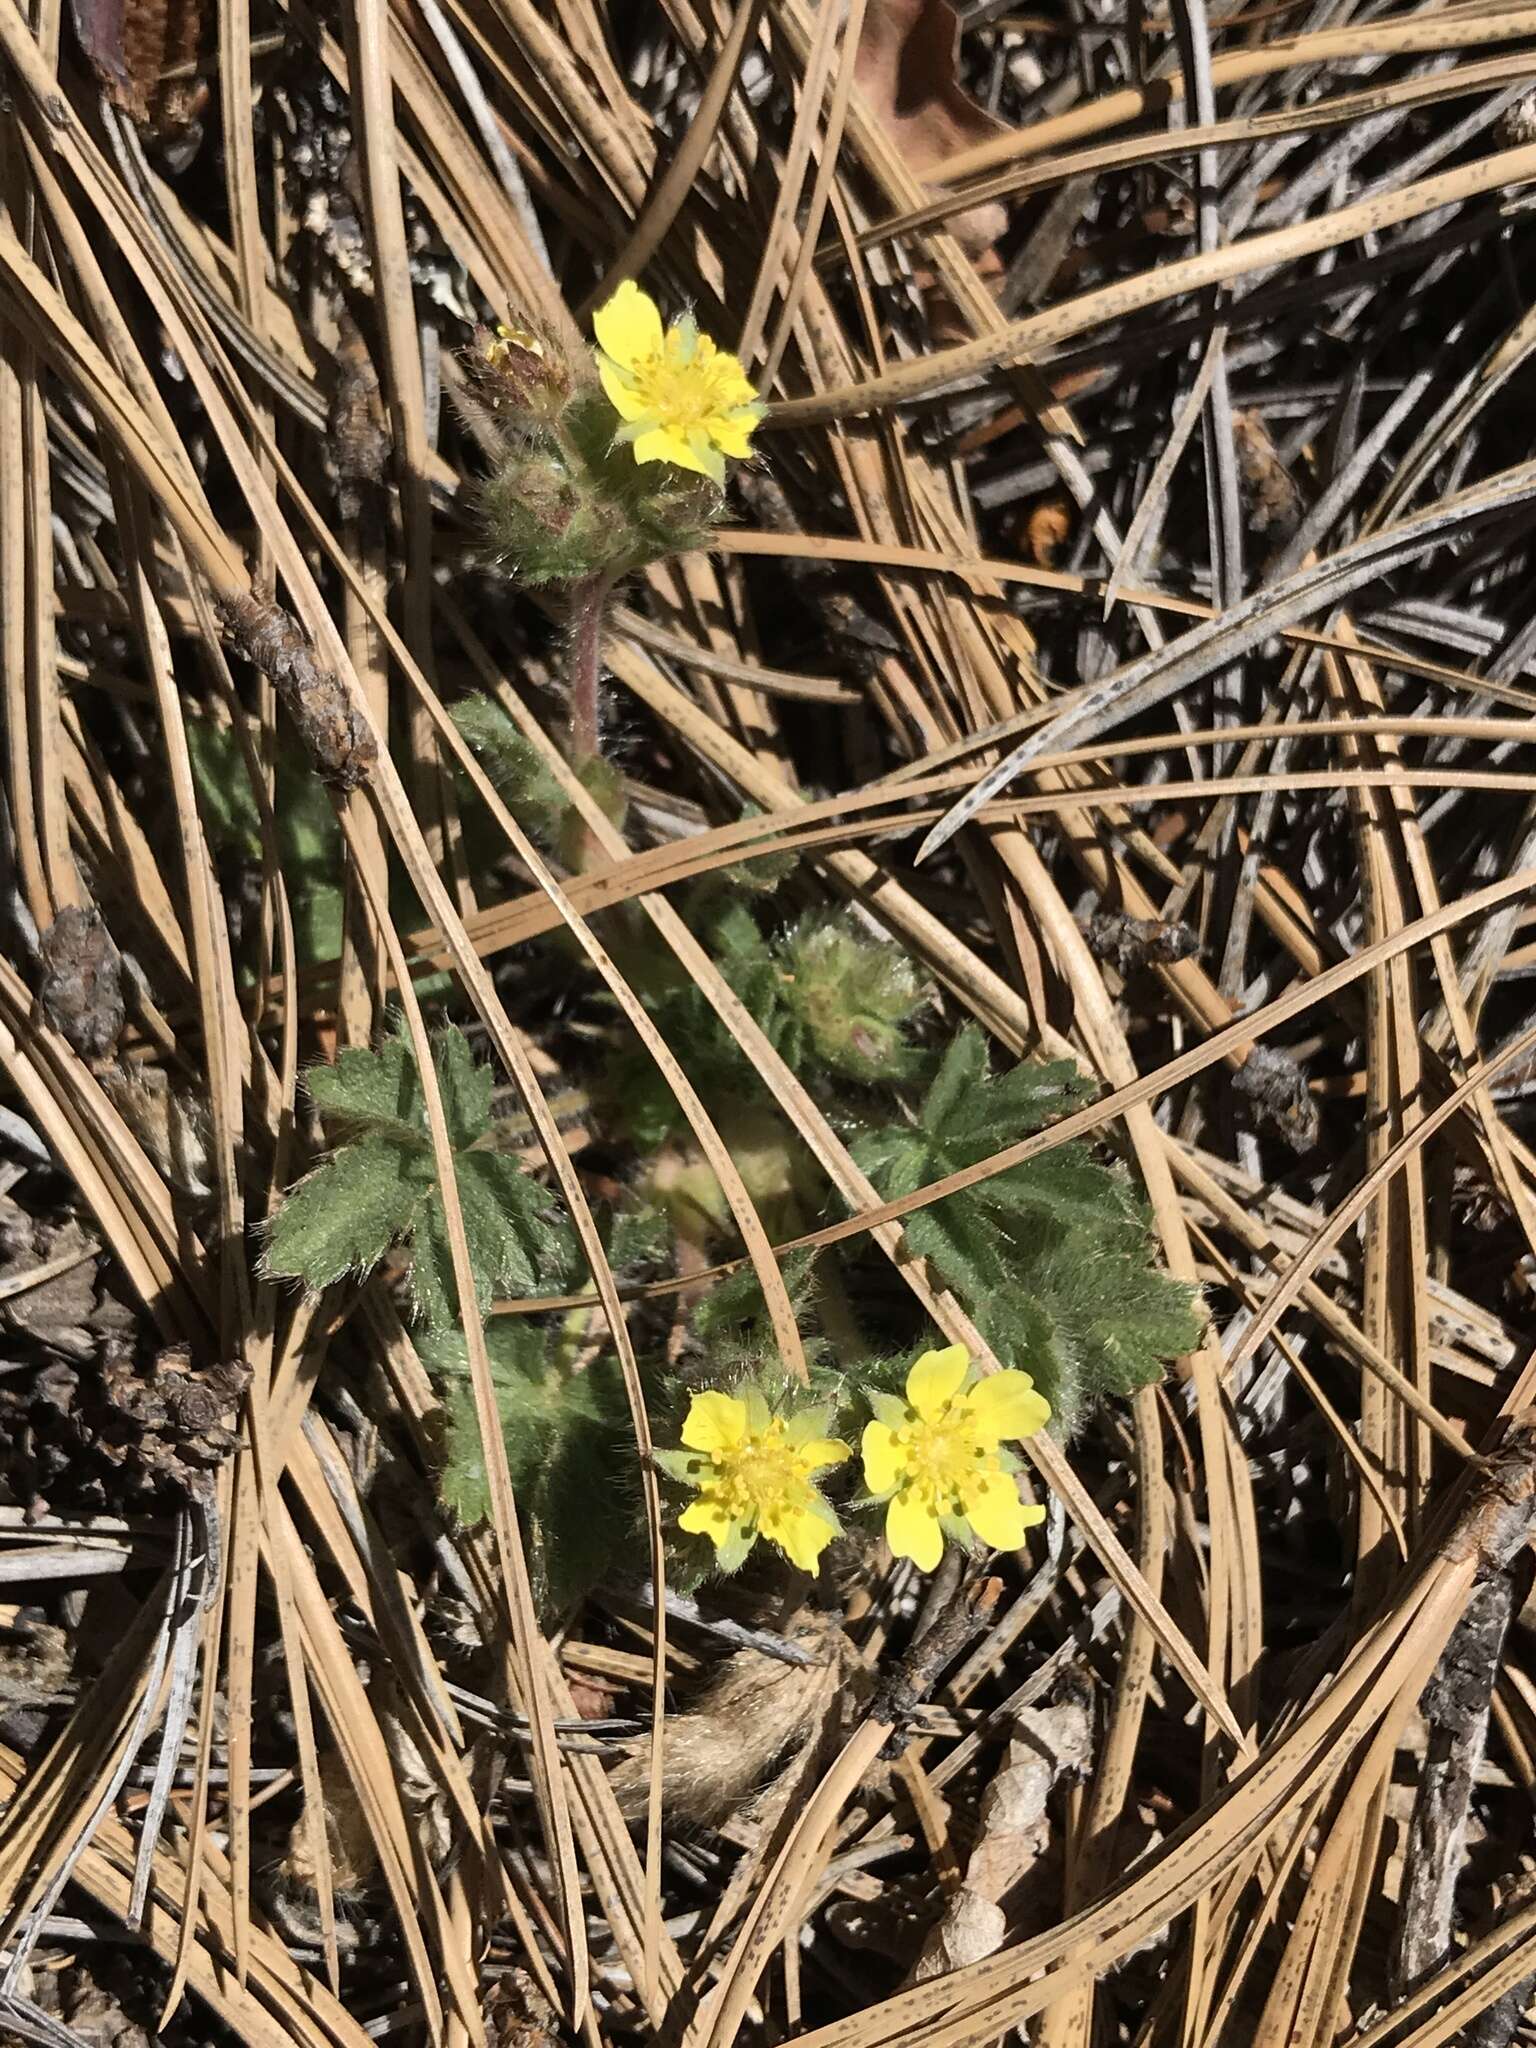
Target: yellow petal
x=822 y=1451
x=936 y=1378
x=706 y=1517
x=883 y=1461
x=1005 y=1406
x=727 y=377
x=707 y=459
x=622 y=395
x=992 y=1506
x=661 y=445
x=912 y=1530
x=801 y=1535
x=733 y=434
x=716 y=1422
x=735 y=387
x=628 y=327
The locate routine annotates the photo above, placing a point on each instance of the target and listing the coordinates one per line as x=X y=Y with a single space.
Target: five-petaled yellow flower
x=681 y=399
x=938 y=1456
x=754 y=1472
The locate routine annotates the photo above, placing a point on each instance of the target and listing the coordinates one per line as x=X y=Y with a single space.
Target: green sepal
x=684 y=1466
x=732 y=1555
x=887 y=1408
x=804 y=1425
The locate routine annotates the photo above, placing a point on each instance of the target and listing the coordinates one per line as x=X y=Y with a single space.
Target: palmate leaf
x=371 y=1090
x=343 y=1217
x=1111 y=1320
x=380 y=1188
x=465 y=1086
x=1053 y=1257
x=971 y=1254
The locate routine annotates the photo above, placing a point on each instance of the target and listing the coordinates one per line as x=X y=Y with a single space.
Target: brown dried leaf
x=906 y=70
x=1015 y=1832
x=132 y=44
x=1269 y=490
x=1047 y=529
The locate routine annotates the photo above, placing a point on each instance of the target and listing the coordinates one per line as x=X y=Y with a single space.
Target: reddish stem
x=589 y=607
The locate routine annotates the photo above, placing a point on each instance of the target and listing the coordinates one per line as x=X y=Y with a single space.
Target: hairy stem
x=589 y=606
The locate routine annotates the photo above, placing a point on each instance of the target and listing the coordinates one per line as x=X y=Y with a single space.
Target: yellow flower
x=681 y=399
x=754 y=1474
x=938 y=1456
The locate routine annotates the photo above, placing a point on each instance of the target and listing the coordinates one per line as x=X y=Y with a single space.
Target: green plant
x=380 y=1188
x=308 y=840
x=603 y=463
x=1052 y=1257
x=732 y=1325
x=834 y=1004
x=513 y=765
x=568 y=1445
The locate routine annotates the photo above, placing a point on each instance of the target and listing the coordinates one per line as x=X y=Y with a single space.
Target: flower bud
x=545 y=521
x=518 y=375
x=853 y=997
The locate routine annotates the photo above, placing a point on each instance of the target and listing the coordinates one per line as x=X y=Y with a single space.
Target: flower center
x=763 y=1472
x=681 y=385
x=943 y=1458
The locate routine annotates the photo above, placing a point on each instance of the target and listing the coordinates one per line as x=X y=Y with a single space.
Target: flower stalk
x=589 y=610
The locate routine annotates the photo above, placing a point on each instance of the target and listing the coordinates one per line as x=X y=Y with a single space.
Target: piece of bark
x=1493 y=1528
x=1130 y=943
x=334 y=728
x=1456 y=1708
x=82 y=986
x=1048 y=1743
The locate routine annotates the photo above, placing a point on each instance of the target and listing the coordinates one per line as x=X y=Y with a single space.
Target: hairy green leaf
x=371 y=1090
x=569 y=1453
x=343 y=1217
x=512 y=763
x=380 y=1187
x=1053 y=1257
